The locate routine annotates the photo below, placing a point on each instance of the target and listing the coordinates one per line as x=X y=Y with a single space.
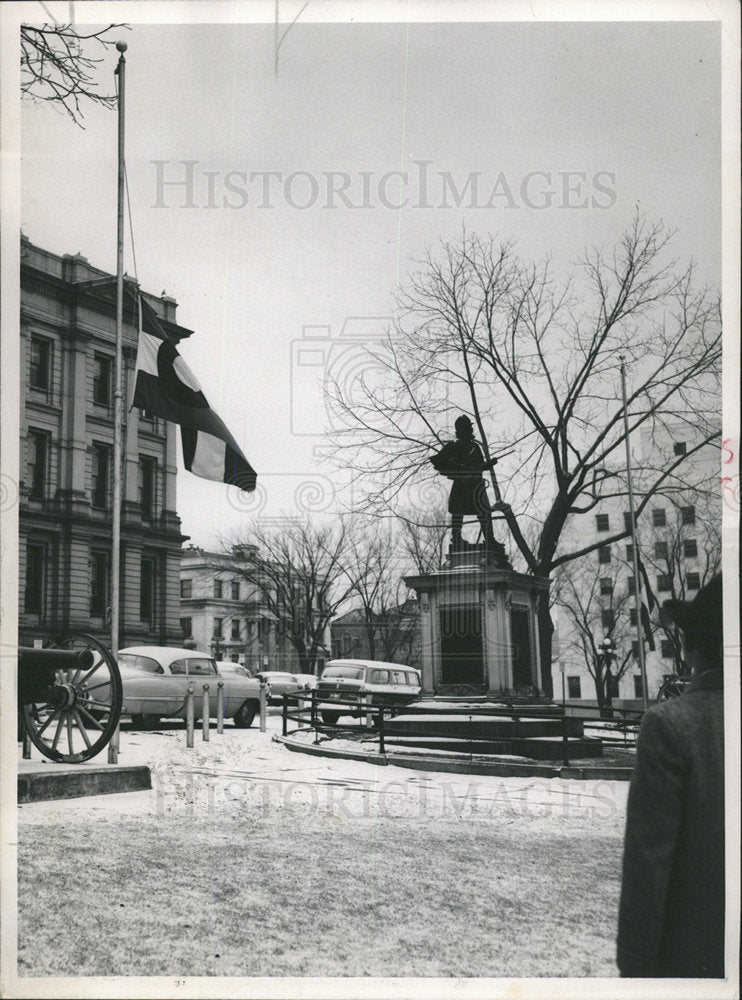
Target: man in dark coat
x=463 y=462
x=671 y=917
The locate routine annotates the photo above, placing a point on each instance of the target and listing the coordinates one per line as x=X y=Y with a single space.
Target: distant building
x=396 y=635
x=679 y=538
x=66 y=462
x=222 y=614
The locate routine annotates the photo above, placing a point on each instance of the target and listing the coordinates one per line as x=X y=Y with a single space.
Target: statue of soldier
x=463 y=462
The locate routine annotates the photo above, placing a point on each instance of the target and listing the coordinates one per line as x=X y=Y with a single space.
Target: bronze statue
x=463 y=462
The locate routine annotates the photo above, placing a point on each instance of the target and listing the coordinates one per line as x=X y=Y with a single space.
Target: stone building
x=679 y=539
x=222 y=614
x=68 y=323
x=396 y=635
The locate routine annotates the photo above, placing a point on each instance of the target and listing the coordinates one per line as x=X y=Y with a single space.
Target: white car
x=156 y=681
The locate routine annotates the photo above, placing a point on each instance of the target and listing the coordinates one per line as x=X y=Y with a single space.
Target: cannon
x=69 y=697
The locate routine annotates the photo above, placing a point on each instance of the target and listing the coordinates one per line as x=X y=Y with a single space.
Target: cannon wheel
x=82 y=726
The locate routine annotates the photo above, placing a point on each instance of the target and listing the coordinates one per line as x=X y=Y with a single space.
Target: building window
x=688 y=515
x=41 y=356
x=38 y=463
x=690 y=548
x=664 y=582
x=660 y=550
x=635 y=649
x=102 y=391
x=235 y=628
x=666 y=649
x=574 y=688
x=629 y=552
x=186 y=588
x=604 y=554
x=347 y=643
x=235 y=590
x=100 y=581
x=638 y=686
x=148 y=590
x=186 y=627
x=607 y=620
x=101 y=475
x=218 y=628
x=218 y=588
x=627 y=520
x=632 y=617
x=602 y=522
x=631 y=584
x=606 y=586
x=680 y=448
x=693 y=581
x=659 y=519
x=147 y=487
x=35 y=591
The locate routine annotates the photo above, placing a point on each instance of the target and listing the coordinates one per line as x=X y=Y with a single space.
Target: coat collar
x=708 y=679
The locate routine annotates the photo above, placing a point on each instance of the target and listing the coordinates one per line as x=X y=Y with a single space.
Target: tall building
x=221 y=612
x=679 y=540
x=68 y=327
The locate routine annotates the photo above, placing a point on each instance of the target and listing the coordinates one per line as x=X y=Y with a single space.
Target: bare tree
x=423 y=537
x=535 y=363
x=56 y=66
x=299 y=572
x=593 y=606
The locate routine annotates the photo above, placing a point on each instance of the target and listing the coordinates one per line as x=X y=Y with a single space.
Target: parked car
x=232 y=669
x=385 y=683
x=279 y=683
x=156 y=680
x=308 y=681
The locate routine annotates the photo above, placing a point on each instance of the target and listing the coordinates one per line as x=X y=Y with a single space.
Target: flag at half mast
x=167 y=388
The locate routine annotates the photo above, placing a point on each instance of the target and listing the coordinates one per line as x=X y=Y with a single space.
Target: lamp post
x=607 y=651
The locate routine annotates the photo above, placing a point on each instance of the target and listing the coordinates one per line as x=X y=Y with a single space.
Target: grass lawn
x=309 y=894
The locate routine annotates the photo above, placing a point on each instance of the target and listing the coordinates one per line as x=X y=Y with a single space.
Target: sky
x=283 y=211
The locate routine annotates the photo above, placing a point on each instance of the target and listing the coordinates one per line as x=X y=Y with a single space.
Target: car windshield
x=144 y=663
x=351 y=673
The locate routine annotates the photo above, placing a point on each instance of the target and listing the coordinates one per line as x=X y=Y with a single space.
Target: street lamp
x=607 y=651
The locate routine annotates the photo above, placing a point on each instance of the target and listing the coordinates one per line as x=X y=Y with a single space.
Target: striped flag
x=167 y=388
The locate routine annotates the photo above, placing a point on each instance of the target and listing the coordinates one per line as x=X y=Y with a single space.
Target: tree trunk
x=545 y=633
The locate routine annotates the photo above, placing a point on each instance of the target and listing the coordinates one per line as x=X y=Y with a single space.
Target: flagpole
x=634 y=544
x=118 y=390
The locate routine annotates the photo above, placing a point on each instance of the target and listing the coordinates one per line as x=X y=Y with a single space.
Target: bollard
x=113 y=746
x=205 y=715
x=382 y=748
x=262 y=705
x=369 y=720
x=220 y=707
x=26 y=745
x=190 y=718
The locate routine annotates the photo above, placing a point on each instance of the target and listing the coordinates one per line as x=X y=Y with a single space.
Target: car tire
x=244 y=715
x=330 y=718
x=144 y=721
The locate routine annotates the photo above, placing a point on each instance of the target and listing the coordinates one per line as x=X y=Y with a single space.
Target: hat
x=463 y=424
x=701 y=617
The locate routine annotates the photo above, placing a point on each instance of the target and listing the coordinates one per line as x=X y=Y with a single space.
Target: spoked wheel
x=78 y=713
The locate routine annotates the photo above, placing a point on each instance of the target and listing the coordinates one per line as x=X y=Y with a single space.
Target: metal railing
x=306 y=709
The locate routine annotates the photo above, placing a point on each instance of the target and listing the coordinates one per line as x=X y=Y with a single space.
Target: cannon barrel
x=54 y=659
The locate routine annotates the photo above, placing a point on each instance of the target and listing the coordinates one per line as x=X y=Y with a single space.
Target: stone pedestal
x=478 y=626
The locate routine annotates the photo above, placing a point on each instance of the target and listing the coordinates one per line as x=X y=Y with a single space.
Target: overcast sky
x=567 y=127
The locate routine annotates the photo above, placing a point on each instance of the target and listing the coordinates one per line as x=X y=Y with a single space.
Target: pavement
x=245 y=766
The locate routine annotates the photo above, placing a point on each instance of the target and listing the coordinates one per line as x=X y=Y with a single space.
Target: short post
x=313 y=720
x=26 y=745
x=190 y=718
x=369 y=720
x=565 y=742
x=285 y=713
x=113 y=746
x=205 y=715
x=262 y=705
x=220 y=707
x=381 y=729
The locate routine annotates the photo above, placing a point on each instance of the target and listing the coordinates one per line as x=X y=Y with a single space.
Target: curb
x=450 y=764
x=38 y=786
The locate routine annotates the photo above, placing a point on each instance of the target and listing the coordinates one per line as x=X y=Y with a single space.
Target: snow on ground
x=245 y=770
